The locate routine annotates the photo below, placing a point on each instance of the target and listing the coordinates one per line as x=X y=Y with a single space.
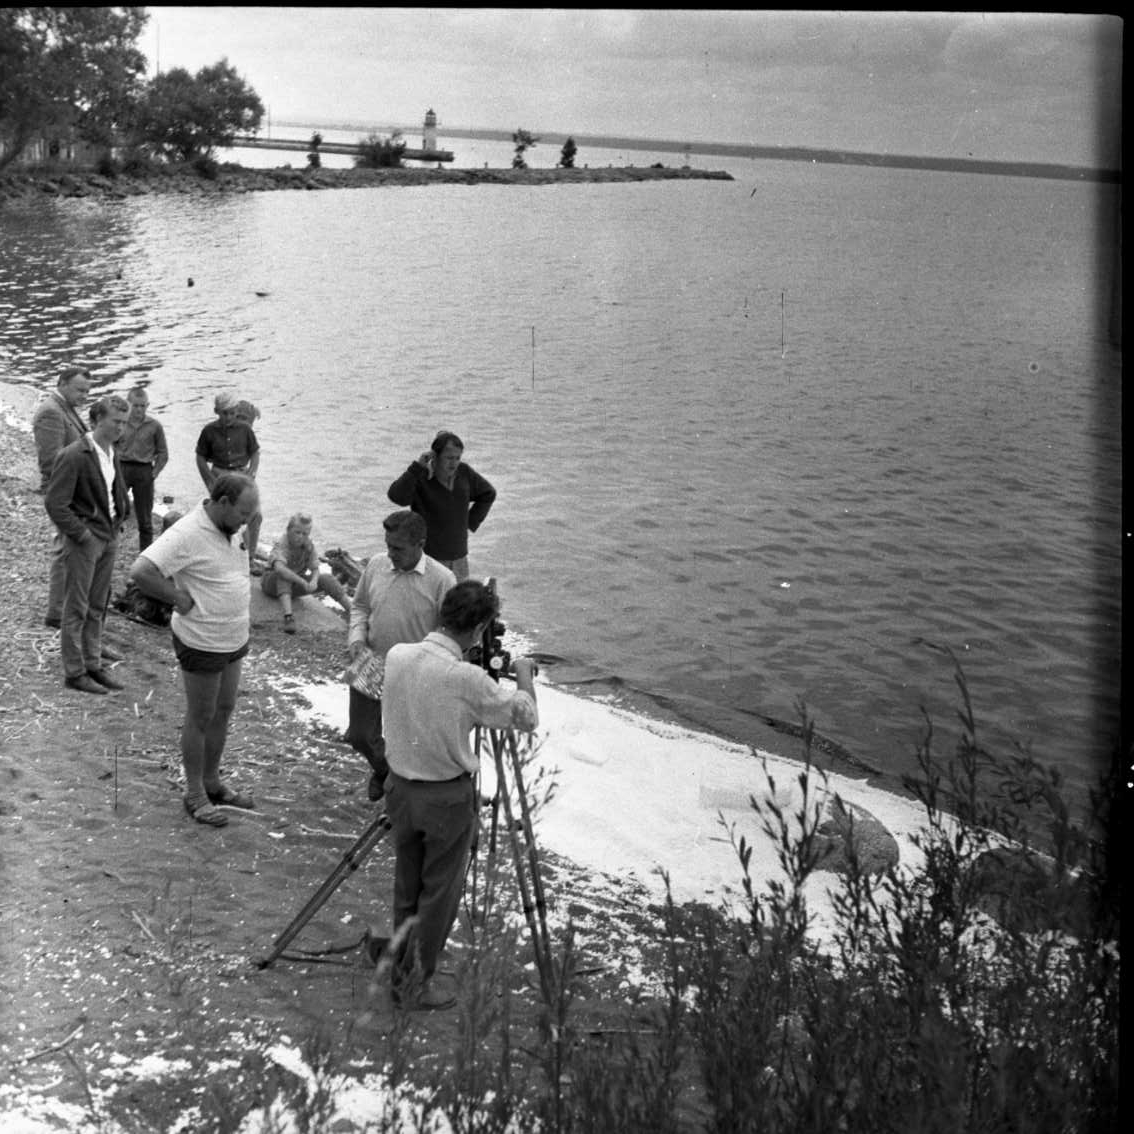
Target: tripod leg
x=539 y=945
x=349 y=863
x=474 y=855
x=533 y=853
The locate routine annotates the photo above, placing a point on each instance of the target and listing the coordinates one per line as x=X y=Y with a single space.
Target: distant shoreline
x=237 y=179
x=1052 y=170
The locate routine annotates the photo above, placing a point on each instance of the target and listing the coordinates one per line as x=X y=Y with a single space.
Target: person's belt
x=230 y=468
x=455 y=779
x=131 y=461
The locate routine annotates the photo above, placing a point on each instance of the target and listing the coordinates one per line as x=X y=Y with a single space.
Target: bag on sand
x=142 y=608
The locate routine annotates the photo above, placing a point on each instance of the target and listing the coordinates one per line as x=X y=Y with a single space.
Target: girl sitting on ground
x=293 y=571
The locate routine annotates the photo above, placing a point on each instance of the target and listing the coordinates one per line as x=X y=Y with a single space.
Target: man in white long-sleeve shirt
x=433 y=700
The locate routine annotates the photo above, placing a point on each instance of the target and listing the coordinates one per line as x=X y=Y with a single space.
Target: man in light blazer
x=55 y=425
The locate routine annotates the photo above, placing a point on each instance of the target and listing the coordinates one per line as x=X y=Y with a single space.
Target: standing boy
x=142 y=454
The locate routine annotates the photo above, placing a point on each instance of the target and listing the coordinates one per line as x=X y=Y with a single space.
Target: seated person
x=293 y=570
x=141 y=607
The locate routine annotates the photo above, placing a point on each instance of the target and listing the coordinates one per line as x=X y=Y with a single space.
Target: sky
x=1001 y=86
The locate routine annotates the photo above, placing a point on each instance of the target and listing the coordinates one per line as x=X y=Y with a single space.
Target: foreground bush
x=973 y=992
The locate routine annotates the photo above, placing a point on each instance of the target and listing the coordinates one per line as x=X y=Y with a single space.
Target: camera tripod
x=502 y=745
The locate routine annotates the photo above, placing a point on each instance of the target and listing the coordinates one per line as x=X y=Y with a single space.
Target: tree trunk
x=20 y=138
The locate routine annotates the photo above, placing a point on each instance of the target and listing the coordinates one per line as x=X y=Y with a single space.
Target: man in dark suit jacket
x=55 y=425
x=86 y=500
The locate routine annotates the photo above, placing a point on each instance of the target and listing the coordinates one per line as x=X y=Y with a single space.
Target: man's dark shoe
x=110 y=654
x=376 y=788
x=53 y=623
x=84 y=684
x=104 y=678
x=427 y=997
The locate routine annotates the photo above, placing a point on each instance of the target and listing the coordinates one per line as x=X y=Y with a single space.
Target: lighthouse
x=429 y=132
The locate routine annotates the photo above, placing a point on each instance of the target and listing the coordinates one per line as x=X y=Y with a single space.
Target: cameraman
x=432 y=700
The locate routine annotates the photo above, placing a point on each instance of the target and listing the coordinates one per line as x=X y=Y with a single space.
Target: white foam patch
x=634 y=796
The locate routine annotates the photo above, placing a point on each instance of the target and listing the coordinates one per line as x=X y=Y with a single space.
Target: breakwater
x=236 y=179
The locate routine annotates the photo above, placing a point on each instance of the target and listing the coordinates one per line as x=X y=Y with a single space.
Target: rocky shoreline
x=23 y=186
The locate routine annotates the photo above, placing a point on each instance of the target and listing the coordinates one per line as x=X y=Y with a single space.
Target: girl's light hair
x=299 y=520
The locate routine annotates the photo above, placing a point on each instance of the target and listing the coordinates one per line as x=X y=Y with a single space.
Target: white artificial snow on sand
x=634 y=796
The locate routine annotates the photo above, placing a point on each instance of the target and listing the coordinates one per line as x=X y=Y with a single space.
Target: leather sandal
x=207 y=814
x=230 y=797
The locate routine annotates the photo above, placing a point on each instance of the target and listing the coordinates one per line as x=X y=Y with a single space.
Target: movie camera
x=489 y=652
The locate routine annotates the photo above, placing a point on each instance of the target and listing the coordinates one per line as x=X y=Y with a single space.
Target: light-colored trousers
x=88 y=569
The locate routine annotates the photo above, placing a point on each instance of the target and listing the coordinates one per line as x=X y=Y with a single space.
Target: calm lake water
x=754 y=441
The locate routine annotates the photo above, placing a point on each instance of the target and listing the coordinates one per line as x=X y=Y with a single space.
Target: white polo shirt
x=432 y=700
x=213 y=568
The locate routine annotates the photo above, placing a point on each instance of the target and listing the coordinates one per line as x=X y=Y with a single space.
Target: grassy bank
x=25 y=185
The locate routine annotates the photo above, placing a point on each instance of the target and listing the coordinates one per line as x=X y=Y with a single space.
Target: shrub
x=136 y=163
x=206 y=167
x=376 y=152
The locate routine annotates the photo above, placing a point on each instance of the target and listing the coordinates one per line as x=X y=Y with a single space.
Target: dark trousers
x=364 y=731
x=433 y=826
x=138 y=477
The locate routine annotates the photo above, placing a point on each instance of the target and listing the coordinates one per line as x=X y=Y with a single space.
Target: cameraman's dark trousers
x=433 y=825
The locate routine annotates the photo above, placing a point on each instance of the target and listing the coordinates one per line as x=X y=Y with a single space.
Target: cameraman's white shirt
x=432 y=700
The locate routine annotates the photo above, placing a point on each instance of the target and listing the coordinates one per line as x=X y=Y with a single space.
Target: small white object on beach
x=785 y=585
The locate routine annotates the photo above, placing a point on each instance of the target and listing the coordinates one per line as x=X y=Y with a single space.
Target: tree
x=567 y=154
x=523 y=140
x=68 y=68
x=376 y=152
x=187 y=116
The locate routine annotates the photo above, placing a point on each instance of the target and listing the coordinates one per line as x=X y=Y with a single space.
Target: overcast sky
x=1030 y=87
